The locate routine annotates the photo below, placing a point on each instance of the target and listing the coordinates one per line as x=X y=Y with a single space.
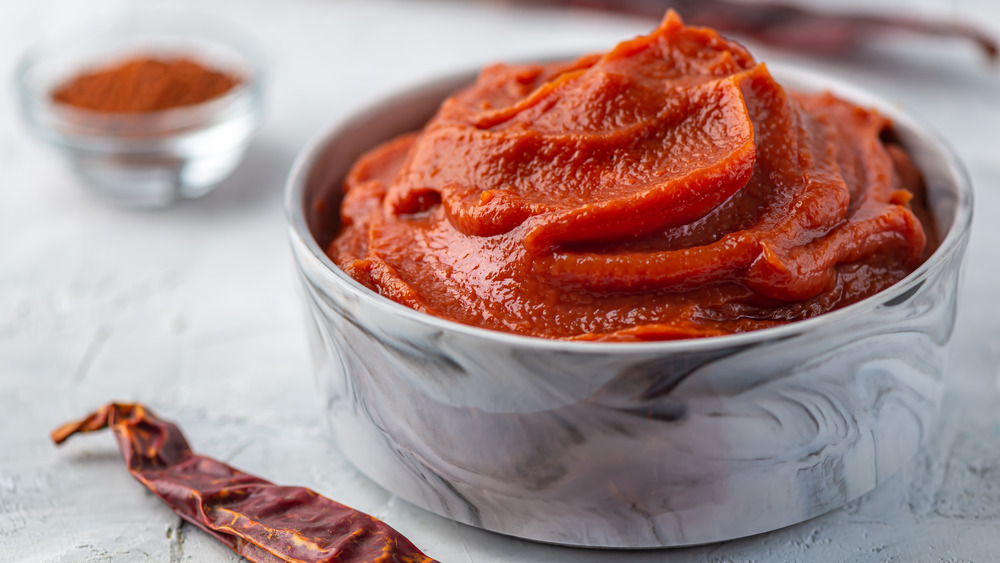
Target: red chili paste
x=669 y=188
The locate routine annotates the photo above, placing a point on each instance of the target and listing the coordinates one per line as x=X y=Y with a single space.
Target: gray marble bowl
x=625 y=445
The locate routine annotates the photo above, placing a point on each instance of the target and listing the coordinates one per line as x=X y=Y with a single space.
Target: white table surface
x=194 y=310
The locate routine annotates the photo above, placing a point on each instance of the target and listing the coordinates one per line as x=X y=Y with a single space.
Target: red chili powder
x=144 y=84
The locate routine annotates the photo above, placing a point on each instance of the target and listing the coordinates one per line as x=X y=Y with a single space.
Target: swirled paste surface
x=669 y=188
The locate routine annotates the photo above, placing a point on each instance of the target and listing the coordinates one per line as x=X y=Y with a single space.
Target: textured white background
x=193 y=309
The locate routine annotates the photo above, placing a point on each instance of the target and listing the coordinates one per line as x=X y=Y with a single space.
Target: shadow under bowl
x=625 y=445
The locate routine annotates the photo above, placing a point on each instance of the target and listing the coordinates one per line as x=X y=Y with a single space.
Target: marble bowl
x=624 y=445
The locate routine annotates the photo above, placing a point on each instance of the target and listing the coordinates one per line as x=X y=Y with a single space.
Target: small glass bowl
x=148 y=159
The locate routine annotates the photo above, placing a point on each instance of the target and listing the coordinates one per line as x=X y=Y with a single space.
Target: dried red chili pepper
x=259 y=520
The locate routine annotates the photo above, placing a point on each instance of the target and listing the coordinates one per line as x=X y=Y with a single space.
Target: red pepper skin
x=259 y=520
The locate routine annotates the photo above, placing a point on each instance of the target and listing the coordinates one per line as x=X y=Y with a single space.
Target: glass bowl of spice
x=148 y=109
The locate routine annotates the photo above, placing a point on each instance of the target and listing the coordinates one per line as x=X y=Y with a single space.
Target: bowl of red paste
x=659 y=296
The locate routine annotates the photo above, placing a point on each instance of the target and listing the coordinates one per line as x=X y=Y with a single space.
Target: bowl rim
x=953 y=240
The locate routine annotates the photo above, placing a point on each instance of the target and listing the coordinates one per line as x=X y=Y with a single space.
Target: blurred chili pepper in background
x=786 y=25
